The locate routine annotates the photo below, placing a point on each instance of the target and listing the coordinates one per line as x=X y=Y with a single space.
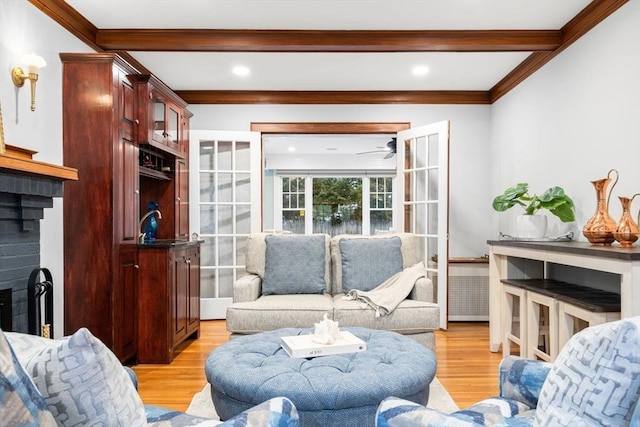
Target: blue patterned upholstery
x=343 y=389
x=278 y=411
x=22 y=404
x=595 y=381
x=83 y=383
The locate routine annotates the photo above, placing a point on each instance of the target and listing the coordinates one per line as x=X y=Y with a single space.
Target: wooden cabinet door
x=181 y=177
x=125 y=296
x=179 y=294
x=127 y=165
x=194 y=290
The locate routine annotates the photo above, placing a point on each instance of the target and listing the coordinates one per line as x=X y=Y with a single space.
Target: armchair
x=595 y=381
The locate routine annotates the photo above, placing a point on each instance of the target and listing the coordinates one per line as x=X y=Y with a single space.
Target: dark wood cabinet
x=160 y=115
x=169 y=299
x=100 y=208
x=125 y=134
x=125 y=298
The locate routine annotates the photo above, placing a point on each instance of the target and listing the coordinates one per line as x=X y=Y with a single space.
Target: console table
x=610 y=268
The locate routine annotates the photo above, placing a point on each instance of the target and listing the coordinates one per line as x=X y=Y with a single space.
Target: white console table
x=615 y=268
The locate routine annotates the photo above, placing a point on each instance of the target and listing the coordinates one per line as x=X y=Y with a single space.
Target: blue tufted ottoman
x=335 y=390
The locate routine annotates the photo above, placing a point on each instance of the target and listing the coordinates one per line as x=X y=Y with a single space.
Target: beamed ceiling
x=476 y=51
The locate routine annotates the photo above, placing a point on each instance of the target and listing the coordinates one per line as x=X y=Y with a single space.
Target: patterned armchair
x=595 y=381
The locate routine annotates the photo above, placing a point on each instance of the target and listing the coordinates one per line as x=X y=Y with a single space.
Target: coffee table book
x=302 y=346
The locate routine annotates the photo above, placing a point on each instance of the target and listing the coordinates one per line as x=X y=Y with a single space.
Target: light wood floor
x=466 y=367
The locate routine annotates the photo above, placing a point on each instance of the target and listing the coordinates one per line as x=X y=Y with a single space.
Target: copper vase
x=626 y=232
x=599 y=229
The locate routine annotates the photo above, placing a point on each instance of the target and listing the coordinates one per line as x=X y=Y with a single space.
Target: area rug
x=439 y=399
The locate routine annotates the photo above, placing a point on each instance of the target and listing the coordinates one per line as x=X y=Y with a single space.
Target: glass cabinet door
x=159 y=125
x=172 y=127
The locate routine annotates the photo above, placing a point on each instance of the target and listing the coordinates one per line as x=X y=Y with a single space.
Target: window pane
x=293 y=221
x=337 y=205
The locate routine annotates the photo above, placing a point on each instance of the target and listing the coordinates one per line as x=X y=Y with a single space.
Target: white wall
x=469 y=165
x=24 y=29
x=573 y=121
x=567 y=124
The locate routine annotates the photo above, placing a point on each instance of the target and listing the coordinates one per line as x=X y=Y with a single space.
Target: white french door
x=422 y=199
x=228 y=194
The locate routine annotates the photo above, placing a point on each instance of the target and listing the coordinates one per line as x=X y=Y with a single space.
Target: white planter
x=531 y=226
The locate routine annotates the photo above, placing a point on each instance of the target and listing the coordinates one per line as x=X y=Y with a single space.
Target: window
x=335 y=205
x=380 y=204
x=293 y=203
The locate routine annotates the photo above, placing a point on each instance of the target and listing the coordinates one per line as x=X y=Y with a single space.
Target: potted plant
x=529 y=225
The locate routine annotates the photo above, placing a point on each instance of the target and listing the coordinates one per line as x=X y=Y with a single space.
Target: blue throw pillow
x=83 y=383
x=368 y=262
x=294 y=265
x=595 y=379
x=20 y=402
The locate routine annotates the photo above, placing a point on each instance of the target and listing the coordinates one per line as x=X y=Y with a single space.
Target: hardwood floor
x=466 y=367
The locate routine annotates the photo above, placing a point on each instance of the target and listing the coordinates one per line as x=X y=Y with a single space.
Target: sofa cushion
x=366 y=263
x=409 y=317
x=595 y=379
x=294 y=265
x=278 y=311
x=83 y=383
x=20 y=401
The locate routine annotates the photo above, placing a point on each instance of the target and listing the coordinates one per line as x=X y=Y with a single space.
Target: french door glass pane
x=243 y=219
x=225 y=155
x=225 y=282
x=242 y=156
x=207 y=219
x=225 y=188
x=243 y=188
x=207 y=277
x=225 y=219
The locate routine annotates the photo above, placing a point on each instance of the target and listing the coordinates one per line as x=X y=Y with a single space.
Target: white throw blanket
x=385 y=297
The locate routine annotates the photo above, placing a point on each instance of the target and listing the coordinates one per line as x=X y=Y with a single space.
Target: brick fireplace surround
x=27 y=187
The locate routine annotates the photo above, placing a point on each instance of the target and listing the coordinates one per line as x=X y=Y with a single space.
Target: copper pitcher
x=599 y=229
x=626 y=232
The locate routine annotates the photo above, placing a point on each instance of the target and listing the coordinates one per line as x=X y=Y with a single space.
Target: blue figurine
x=152 y=226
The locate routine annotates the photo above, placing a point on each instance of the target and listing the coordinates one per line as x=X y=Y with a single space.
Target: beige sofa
x=351 y=260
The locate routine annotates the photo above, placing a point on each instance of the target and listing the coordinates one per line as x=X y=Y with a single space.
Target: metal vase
x=599 y=229
x=626 y=232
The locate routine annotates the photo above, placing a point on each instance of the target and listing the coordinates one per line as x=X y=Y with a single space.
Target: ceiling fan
x=390 y=149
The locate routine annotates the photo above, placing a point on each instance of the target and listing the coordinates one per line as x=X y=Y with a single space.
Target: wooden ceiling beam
x=583 y=22
x=333 y=97
x=208 y=40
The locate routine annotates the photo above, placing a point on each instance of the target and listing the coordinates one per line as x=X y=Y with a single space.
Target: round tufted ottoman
x=337 y=390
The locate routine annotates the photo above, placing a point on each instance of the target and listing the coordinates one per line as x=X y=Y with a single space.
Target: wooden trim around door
x=329 y=127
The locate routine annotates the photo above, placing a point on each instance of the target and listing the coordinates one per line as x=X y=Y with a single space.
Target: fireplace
x=27 y=188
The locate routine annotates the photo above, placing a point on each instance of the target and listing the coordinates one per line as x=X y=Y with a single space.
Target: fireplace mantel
x=20 y=160
x=27 y=188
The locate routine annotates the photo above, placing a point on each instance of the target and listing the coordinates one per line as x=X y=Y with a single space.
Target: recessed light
x=291 y=149
x=420 y=70
x=241 y=70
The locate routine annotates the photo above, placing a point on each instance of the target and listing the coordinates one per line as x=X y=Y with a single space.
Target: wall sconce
x=33 y=63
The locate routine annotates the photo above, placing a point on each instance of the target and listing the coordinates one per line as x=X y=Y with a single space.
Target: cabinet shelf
x=152 y=173
x=154 y=164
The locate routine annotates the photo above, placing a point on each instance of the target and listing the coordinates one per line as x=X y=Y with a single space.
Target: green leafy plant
x=555 y=200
